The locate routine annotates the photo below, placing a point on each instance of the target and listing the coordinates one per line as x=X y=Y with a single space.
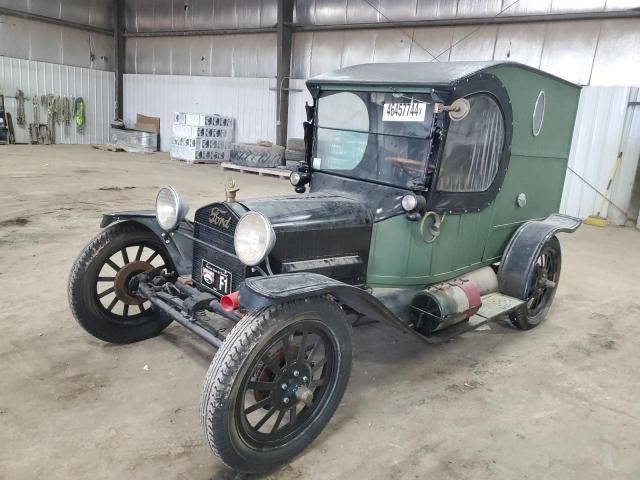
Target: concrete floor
x=559 y=402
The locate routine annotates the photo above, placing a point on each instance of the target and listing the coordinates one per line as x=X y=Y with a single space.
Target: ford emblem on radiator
x=218 y=217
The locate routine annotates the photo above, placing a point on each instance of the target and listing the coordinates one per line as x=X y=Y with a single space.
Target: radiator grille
x=218 y=234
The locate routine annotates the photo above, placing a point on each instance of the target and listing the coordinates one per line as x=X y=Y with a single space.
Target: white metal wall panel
x=472 y=43
x=569 y=49
x=98 y=13
x=250 y=55
x=251 y=101
x=32 y=40
x=391 y=46
x=327 y=12
x=520 y=44
x=431 y=42
x=622 y=186
x=167 y=15
x=297 y=113
x=596 y=142
x=617 y=59
x=590 y=52
x=96 y=87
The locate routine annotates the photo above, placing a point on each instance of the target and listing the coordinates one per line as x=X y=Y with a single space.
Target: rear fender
x=261 y=292
x=523 y=249
x=180 y=248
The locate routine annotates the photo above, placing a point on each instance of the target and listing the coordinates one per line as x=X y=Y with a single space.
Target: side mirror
x=458 y=110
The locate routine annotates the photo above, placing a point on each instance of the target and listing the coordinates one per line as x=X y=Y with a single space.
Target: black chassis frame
x=183 y=302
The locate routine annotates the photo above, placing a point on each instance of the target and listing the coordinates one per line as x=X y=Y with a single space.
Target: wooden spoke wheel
x=99 y=293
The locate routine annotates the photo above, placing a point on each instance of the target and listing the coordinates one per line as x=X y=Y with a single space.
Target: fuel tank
x=444 y=304
x=322 y=233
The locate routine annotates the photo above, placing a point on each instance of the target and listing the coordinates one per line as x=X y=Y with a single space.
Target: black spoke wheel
x=275 y=383
x=99 y=293
x=542 y=285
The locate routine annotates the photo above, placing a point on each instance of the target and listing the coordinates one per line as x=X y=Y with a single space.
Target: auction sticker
x=404 y=112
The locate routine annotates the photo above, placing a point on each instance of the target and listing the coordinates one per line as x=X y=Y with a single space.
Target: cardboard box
x=147 y=124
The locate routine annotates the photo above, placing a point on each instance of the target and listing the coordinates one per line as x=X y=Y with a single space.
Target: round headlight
x=413 y=203
x=254 y=238
x=409 y=203
x=295 y=178
x=171 y=208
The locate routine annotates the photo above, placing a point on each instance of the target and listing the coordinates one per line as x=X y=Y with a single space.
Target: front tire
x=98 y=284
x=275 y=383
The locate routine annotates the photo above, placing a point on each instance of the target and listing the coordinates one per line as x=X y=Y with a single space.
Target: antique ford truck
x=427 y=200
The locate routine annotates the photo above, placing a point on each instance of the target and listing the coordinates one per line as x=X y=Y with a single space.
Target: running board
x=493 y=305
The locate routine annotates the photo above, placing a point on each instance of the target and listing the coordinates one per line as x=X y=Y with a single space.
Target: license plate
x=404 y=112
x=216 y=278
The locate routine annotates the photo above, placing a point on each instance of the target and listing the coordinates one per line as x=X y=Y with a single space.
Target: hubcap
x=122 y=278
x=287 y=386
x=544 y=281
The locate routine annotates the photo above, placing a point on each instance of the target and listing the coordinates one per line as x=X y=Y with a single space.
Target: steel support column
x=284 y=37
x=118 y=40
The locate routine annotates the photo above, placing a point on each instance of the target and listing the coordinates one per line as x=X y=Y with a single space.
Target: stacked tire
x=295 y=150
x=263 y=155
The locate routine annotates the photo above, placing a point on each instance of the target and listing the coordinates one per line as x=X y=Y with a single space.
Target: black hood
x=319 y=232
x=312 y=211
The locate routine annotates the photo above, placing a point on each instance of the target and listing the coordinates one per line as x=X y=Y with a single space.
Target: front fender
x=261 y=292
x=180 y=248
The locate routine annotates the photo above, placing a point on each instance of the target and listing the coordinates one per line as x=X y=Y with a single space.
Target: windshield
x=383 y=137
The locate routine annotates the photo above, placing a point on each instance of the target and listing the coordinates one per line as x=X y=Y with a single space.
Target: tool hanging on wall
x=79 y=114
x=36 y=109
x=51 y=119
x=66 y=112
x=21 y=118
x=4 y=124
x=34 y=127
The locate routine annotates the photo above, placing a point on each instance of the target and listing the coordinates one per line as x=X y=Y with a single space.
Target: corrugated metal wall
x=179 y=15
x=331 y=12
x=251 y=101
x=588 y=52
x=172 y=15
x=607 y=123
x=38 y=78
x=97 y=13
x=252 y=55
x=33 y=40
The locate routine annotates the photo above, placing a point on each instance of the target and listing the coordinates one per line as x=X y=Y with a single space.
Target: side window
x=473 y=148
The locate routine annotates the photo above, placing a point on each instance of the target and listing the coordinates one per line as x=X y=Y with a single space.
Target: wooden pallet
x=269 y=172
x=202 y=160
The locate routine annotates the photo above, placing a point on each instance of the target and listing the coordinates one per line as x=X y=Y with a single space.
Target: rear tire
x=540 y=297
x=262 y=354
x=117 y=316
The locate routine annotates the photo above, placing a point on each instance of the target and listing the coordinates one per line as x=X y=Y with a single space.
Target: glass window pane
x=473 y=148
x=379 y=136
x=344 y=110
